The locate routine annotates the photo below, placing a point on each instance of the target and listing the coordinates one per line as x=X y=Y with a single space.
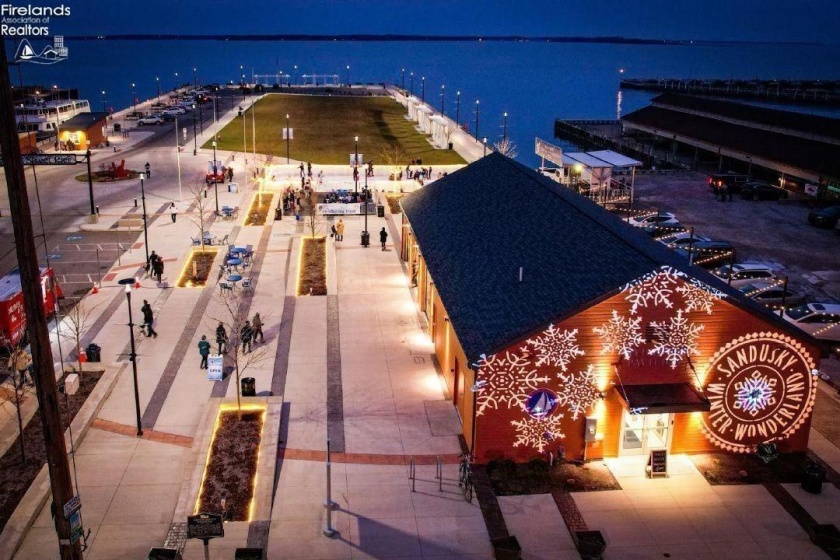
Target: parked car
x=662 y=219
x=175 y=110
x=827 y=217
x=708 y=253
x=772 y=294
x=151 y=119
x=745 y=273
x=734 y=180
x=758 y=190
x=682 y=239
x=159 y=105
x=167 y=117
x=820 y=320
x=135 y=115
x=657 y=231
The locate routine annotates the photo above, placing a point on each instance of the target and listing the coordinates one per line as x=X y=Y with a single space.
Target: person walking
x=203 y=351
x=148 y=319
x=257 y=323
x=309 y=169
x=230 y=174
x=221 y=338
x=173 y=211
x=383 y=237
x=148 y=171
x=339 y=231
x=246 y=333
x=157 y=266
x=19 y=361
x=301 y=170
x=150 y=270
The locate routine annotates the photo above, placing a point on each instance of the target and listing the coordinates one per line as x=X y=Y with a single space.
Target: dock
x=796 y=92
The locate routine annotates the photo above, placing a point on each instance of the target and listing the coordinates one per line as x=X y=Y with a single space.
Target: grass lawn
x=324 y=128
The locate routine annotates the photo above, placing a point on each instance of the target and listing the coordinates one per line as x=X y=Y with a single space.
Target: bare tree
x=77 y=324
x=394 y=157
x=201 y=213
x=314 y=220
x=506 y=147
x=16 y=395
x=448 y=131
x=233 y=315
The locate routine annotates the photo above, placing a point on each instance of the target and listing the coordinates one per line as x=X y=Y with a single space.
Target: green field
x=324 y=128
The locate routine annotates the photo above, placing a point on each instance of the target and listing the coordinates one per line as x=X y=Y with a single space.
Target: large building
x=559 y=328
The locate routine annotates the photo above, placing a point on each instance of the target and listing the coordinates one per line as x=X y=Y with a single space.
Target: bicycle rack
x=412 y=472
x=439 y=472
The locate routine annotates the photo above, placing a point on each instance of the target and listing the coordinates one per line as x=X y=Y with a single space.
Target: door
x=642 y=432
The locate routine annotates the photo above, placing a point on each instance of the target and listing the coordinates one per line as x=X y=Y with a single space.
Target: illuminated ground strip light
x=713 y=257
x=826 y=328
x=224 y=409
x=764 y=289
x=188 y=262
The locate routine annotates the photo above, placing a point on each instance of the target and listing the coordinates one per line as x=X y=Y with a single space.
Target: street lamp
x=128 y=283
x=442 y=98
x=176 y=82
x=484 y=141
x=402 y=79
x=348 y=74
x=504 y=127
x=288 y=136
x=145 y=224
x=134 y=95
x=295 y=76
x=476 y=119
x=423 y=89
x=356 y=166
x=157 y=79
x=215 y=181
x=195 y=137
x=457 y=108
x=366 y=233
x=411 y=81
x=242 y=81
x=104 y=110
x=195 y=77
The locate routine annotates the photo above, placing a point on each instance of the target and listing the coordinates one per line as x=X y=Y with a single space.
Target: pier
x=798 y=92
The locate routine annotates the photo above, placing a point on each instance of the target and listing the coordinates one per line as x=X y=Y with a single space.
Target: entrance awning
x=662 y=398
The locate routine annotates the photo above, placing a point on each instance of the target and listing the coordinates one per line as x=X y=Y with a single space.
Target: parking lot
x=773 y=233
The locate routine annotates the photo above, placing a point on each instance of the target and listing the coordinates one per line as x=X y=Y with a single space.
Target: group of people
x=248 y=335
x=337 y=230
x=154 y=266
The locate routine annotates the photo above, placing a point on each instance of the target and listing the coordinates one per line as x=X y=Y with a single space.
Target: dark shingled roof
x=787 y=120
x=476 y=228
x=83 y=121
x=821 y=158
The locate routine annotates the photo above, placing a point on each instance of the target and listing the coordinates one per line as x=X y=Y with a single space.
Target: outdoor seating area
x=209 y=239
x=229 y=212
x=345 y=196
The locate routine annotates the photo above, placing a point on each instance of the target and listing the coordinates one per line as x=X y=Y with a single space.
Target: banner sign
x=550 y=152
x=340 y=209
x=215 y=367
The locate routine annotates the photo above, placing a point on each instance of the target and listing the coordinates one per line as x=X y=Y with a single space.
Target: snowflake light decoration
x=555 y=347
x=653 y=289
x=537 y=432
x=755 y=393
x=620 y=335
x=504 y=381
x=699 y=296
x=579 y=392
x=675 y=339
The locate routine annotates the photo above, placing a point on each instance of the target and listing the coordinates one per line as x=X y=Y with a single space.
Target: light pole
x=294 y=81
x=288 y=137
x=366 y=234
x=215 y=181
x=402 y=79
x=104 y=110
x=442 y=98
x=145 y=224
x=476 y=119
x=128 y=283
x=423 y=89
x=178 y=155
x=504 y=126
x=348 y=75
x=457 y=108
x=356 y=166
x=157 y=80
x=134 y=96
x=411 y=81
x=242 y=81
x=195 y=137
x=176 y=83
x=195 y=78
x=484 y=141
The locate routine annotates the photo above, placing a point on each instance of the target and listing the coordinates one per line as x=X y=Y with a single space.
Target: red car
x=12 y=315
x=215 y=169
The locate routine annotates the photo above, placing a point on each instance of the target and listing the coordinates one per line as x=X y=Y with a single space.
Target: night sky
x=750 y=20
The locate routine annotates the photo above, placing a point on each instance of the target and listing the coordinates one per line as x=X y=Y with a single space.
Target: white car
x=175 y=110
x=820 y=320
x=682 y=239
x=661 y=219
x=745 y=273
x=151 y=119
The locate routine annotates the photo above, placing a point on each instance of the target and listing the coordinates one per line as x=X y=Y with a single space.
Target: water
x=534 y=82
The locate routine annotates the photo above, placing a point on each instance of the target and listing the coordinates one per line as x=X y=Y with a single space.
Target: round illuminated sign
x=761 y=389
x=541 y=403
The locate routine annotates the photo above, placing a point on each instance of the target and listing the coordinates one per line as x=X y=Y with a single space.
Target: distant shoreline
x=431 y=38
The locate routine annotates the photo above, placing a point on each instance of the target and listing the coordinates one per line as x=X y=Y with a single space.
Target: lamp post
x=215 y=181
x=402 y=79
x=442 y=99
x=128 y=283
x=356 y=166
x=104 y=110
x=411 y=81
x=178 y=155
x=288 y=137
x=195 y=137
x=145 y=224
x=134 y=96
x=294 y=81
x=242 y=81
x=476 y=120
x=504 y=126
x=54 y=94
x=195 y=78
x=176 y=82
x=348 y=75
x=157 y=80
x=484 y=141
x=423 y=89
x=366 y=234
x=457 y=108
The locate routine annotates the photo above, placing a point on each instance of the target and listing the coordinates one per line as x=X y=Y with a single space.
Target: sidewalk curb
x=36 y=497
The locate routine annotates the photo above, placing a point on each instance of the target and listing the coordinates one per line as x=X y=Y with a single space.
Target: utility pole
x=30 y=280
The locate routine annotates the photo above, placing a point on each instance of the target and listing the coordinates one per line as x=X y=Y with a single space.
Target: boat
x=46 y=116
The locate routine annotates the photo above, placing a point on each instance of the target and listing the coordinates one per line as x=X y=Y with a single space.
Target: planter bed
x=196 y=277
x=312 y=276
x=394 y=203
x=740 y=468
x=15 y=477
x=258 y=212
x=537 y=477
x=231 y=465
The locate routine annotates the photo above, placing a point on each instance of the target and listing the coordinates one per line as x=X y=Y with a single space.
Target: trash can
x=380 y=211
x=249 y=387
x=278 y=213
x=233 y=187
x=365 y=238
x=94 y=352
x=812 y=477
x=117 y=127
x=450 y=146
